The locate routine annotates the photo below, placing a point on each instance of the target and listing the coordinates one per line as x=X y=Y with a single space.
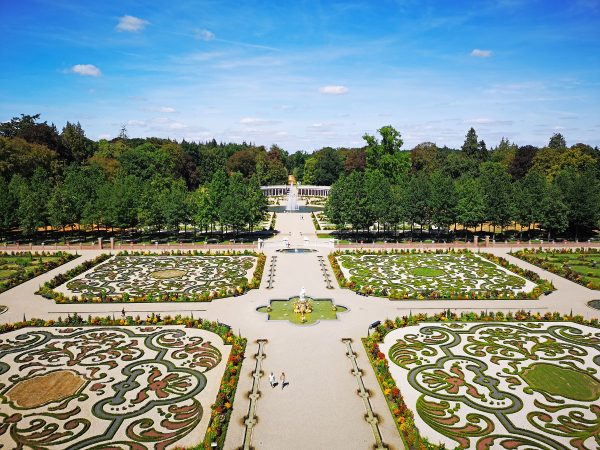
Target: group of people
x=273 y=381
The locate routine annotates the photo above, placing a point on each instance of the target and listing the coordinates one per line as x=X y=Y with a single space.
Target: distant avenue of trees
x=61 y=178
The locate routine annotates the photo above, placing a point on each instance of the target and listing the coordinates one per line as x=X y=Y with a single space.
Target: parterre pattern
x=107 y=387
x=416 y=272
x=138 y=275
x=500 y=385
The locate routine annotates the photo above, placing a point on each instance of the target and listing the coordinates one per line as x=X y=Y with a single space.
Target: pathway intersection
x=321 y=407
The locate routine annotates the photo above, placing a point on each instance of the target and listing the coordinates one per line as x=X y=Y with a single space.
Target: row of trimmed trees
x=369 y=200
x=86 y=197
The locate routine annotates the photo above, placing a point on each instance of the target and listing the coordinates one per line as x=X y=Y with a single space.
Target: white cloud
x=487 y=121
x=204 y=35
x=136 y=123
x=333 y=90
x=257 y=122
x=481 y=53
x=166 y=109
x=131 y=23
x=88 y=70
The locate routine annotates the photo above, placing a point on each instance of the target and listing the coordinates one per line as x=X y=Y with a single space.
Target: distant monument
x=292 y=200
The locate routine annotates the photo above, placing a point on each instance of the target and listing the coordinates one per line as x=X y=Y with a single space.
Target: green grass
x=284 y=310
x=563 y=381
x=427 y=272
x=20 y=267
x=582 y=267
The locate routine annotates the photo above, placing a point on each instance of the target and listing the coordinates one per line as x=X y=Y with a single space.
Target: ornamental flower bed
x=18 y=267
x=581 y=265
x=403 y=416
x=101 y=288
x=198 y=355
x=435 y=274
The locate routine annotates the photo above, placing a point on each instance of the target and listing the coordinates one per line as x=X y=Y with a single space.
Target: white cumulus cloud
x=166 y=109
x=481 y=53
x=333 y=90
x=88 y=70
x=204 y=35
x=131 y=23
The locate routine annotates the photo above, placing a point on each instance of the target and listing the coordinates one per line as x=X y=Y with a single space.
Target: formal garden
x=579 y=265
x=18 y=267
x=154 y=383
x=146 y=277
x=413 y=274
x=490 y=380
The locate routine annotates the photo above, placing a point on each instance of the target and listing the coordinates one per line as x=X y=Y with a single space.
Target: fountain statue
x=302 y=306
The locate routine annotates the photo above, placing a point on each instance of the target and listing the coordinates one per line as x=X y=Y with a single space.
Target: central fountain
x=292 y=200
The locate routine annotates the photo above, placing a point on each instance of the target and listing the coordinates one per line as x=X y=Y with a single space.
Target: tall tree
x=497 y=191
x=385 y=154
x=470 y=206
x=8 y=205
x=442 y=200
x=473 y=148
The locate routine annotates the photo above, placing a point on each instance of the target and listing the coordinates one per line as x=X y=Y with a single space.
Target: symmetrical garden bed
x=18 y=267
x=191 y=276
x=579 y=265
x=96 y=384
x=490 y=381
x=403 y=274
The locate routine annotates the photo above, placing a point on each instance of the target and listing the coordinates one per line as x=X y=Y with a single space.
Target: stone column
x=487 y=241
x=475 y=241
x=99 y=243
x=112 y=243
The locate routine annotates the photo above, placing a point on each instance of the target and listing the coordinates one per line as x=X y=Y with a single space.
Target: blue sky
x=305 y=74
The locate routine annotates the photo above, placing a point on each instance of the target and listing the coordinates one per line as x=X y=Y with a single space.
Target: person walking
x=282 y=380
x=272 y=379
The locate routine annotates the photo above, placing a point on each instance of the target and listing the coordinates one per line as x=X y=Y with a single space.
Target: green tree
x=557 y=142
x=470 y=206
x=472 y=148
x=74 y=140
x=529 y=195
x=378 y=192
x=328 y=167
x=8 y=204
x=385 y=154
x=442 y=200
x=33 y=201
x=497 y=191
x=554 y=212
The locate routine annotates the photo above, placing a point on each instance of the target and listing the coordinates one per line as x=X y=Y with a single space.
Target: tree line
x=59 y=178
x=556 y=188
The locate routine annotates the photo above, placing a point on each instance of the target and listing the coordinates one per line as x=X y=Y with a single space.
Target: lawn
x=16 y=268
x=581 y=266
